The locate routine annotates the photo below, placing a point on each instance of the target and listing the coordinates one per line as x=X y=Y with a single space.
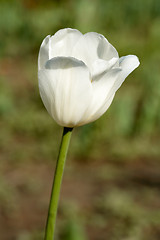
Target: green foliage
x=72 y=226
x=131 y=27
x=129 y=130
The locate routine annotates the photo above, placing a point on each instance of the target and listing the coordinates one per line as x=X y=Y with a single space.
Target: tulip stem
x=53 y=206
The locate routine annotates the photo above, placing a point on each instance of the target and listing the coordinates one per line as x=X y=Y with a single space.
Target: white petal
x=63 y=41
x=43 y=53
x=128 y=64
x=100 y=66
x=109 y=83
x=93 y=46
x=101 y=93
x=66 y=90
x=101 y=110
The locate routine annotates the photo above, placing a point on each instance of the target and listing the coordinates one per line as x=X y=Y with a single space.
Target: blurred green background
x=111 y=187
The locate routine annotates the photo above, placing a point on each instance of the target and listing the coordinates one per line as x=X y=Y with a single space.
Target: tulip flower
x=79 y=75
x=78 y=78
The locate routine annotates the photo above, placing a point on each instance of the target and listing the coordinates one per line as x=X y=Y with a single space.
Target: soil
x=26 y=209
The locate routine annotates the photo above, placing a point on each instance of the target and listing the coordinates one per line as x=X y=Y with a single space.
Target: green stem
x=52 y=212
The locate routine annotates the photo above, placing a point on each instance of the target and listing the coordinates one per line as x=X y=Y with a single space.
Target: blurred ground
x=100 y=200
x=111 y=186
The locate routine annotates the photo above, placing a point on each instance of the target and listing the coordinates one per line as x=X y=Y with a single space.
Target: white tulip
x=79 y=75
